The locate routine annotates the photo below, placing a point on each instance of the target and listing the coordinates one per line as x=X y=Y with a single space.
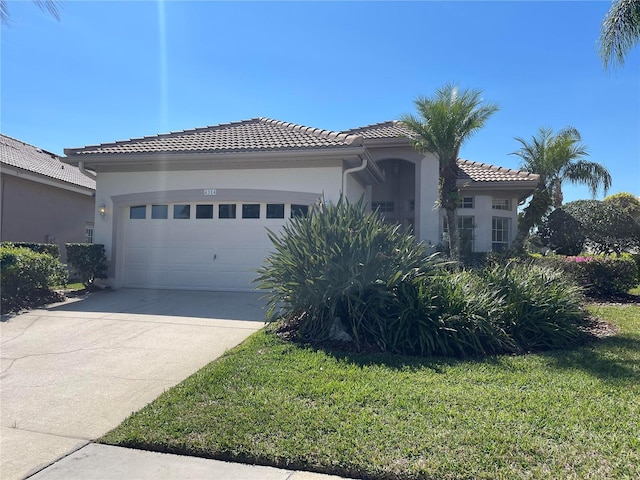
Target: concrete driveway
x=73 y=371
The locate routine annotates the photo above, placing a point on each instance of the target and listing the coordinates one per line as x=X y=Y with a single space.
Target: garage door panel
x=206 y=254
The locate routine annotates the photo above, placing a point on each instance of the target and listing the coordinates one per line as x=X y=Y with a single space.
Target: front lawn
x=560 y=414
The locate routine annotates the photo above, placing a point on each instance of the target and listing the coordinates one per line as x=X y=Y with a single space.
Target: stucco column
x=427 y=176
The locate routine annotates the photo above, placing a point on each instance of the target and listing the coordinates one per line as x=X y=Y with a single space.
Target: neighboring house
x=43 y=200
x=190 y=209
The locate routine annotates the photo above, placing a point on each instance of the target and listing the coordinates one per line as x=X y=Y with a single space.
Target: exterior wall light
x=102 y=209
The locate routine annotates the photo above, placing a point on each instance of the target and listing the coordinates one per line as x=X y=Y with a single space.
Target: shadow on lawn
x=610 y=359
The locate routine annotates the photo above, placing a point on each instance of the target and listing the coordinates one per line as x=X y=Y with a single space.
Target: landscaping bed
x=570 y=413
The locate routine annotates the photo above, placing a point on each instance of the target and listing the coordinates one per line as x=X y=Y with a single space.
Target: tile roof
x=33 y=159
x=257 y=134
x=484 y=172
x=391 y=129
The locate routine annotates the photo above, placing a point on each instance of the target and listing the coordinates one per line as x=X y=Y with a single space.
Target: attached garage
x=199 y=246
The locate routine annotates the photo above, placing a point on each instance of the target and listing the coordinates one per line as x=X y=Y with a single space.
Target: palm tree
x=555 y=158
x=620 y=31
x=445 y=122
x=50 y=6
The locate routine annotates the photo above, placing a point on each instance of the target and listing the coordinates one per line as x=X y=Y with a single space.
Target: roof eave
x=94 y=161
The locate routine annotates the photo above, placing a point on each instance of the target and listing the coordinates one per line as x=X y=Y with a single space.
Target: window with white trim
x=250 y=210
x=204 y=211
x=275 y=210
x=182 y=212
x=299 y=210
x=383 y=207
x=501 y=203
x=88 y=233
x=466 y=202
x=159 y=212
x=227 y=210
x=138 y=212
x=466 y=227
x=500 y=227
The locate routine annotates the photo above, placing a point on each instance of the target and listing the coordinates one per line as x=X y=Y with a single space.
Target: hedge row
x=26 y=276
x=598 y=275
x=50 y=248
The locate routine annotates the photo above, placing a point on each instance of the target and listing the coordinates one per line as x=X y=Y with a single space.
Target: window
x=299 y=210
x=250 y=210
x=383 y=207
x=204 y=211
x=138 y=212
x=466 y=202
x=182 y=212
x=501 y=204
x=227 y=210
x=465 y=230
x=466 y=226
x=499 y=234
x=275 y=210
x=160 y=211
x=88 y=233
x=412 y=205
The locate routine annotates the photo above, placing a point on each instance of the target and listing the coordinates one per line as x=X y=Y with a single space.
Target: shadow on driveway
x=248 y=306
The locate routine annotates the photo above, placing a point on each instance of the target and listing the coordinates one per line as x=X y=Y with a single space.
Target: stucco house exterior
x=190 y=209
x=43 y=200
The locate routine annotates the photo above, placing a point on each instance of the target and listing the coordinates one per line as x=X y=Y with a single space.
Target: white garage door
x=189 y=246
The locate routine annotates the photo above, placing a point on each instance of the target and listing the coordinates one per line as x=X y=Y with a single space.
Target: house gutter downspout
x=86 y=172
x=352 y=170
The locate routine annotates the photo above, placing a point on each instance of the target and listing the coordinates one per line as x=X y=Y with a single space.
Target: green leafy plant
x=539 y=308
x=51 y=248
x=27 y=276
x=340 y=262
x=562 y=233
x=89 y=260
x=599 y=275
x=607 y=228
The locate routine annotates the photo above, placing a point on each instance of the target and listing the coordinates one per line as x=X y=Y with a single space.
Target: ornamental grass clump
x=342 y=273
x=540 y=309
x=341 y=262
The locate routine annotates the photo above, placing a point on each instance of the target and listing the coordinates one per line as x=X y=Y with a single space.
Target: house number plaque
x=210 y=191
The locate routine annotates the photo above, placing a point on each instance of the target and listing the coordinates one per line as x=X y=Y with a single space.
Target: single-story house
x=190 y=209
x=42 y=199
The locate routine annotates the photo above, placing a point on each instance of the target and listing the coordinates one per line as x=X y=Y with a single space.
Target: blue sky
x=115 y=70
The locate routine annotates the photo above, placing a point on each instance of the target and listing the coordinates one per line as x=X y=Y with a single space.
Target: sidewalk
x=106 y=462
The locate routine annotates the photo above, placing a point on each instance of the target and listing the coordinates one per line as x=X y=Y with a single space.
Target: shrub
x=89 y=260
x=446 y=314
x=599 y=275
x=341 y=261
x=50 y=248
x=562 y=233
x=540 y=309
x=608 y=229
x=27 y=276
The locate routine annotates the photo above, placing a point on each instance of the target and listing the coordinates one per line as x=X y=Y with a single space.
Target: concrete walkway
x=73 y=371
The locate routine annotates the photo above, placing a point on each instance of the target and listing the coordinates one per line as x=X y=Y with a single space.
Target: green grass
x=561 y=414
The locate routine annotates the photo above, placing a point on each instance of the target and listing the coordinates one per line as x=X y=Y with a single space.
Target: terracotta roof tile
x=391 y=129
x=258 y=134
x=484 y=172
x=33 y=159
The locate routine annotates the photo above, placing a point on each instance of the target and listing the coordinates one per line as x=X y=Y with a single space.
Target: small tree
x=627 y=203
x=555 y=158
x=443 y=124
x=606 y=228
x=562 y=233
x=89 y=260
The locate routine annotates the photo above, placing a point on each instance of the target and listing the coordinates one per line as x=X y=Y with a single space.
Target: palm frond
x=620 y=31
x=592 y=174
